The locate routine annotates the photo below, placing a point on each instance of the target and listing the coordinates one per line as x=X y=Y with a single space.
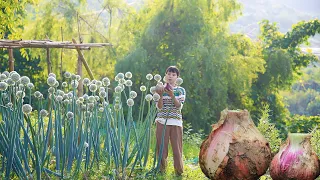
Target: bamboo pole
x=11 y=60
x=83 y=60
x=79 y=64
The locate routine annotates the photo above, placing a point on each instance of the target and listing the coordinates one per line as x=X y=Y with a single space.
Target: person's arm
x=160 y=102
x=160 y=91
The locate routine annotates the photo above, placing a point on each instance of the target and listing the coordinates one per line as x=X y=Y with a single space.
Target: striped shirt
x=169 y=111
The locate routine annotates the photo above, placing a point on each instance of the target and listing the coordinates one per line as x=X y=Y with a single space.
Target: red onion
x=168 y=87
x=296 y=159
x=235 y=149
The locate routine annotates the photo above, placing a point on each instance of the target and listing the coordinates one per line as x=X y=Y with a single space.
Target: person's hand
x=160 y=89
x=169 y=92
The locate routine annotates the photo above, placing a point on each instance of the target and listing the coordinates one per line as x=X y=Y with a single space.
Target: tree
x=217 y=68
x=12 y=14
x=284 y=59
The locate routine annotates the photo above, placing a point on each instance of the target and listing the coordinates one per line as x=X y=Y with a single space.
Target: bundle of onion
x=296 y=159
x=235 y=149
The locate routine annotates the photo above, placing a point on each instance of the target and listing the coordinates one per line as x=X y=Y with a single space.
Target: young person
x=169 y=115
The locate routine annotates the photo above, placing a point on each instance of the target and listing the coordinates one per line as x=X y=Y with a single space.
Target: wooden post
x=79 y=72
x=81 y=57
x=11 y=60
x=49 y=61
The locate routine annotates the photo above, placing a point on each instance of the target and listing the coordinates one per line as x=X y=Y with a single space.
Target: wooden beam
x=81 y=57
x=11 y=60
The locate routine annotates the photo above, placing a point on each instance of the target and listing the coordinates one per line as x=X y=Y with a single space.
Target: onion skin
x=235 y=149
x=296 y=159
x=168 y=87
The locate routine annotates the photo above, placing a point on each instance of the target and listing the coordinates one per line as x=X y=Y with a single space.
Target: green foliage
x=284 y=60
x=269 y=131
x=301 y=123
x=315 y=141
x=189 y=35
x=12 y=15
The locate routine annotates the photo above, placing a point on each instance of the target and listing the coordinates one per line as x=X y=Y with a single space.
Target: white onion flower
x=85 y=97
x=20 y=94
x=122 y=81
x=148 y=97
x=37 y=94
x=3 y=86
x=101 y=109
x=10 y=82
x=66 y=102
x=133 y=94
x=6 y=73
x=128 y=75
x=70 y=115
x=116 y=78
x=86 y=81
x=44 y=113
x=81 y=99
x=102 y=94
x=74 y=84
x=128 y=83
x=102 y=89
x=65 y=96
x=26 y=108
x=3 y=77
x=93 y=87
x=59 y=98
x=52 y=75
x=56 y=85
x=97 y=97
x=106 y=81
x=21 y=87
x=130 y=102
x=51 y=90
x=92 y=99
x=90 y=105
x=120 y=75
x=78 y=77
x=179 y=81
x=24 y=80
x=157 y=77
x=156 y=97
x=15 y=76
x=64 y=84
x=118 y=89
x=99 y=83
x=51 y=81
x=73 y=77
x=67 y=75
x=30 y=85
x=70 y=94
x=143 y=88
x=149 y=77
x=153 y=90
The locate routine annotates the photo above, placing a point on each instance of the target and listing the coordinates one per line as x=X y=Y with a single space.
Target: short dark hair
x=173 y=69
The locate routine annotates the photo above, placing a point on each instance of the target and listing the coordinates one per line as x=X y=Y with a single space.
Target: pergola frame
x=47 y=44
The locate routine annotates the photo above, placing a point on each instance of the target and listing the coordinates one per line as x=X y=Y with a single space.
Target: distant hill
x=284 y=12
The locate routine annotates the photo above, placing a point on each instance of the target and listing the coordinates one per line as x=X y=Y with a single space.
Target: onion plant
x=66 y=133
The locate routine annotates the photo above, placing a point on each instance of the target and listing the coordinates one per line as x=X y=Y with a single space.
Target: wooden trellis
x=48 y=44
